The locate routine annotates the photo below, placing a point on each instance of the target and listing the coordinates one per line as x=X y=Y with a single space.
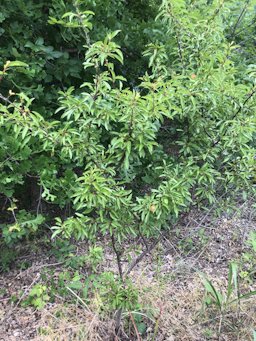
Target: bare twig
x=135 y=327
x=141 y=256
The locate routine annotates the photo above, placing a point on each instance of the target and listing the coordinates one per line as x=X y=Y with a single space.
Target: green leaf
x=16 y=63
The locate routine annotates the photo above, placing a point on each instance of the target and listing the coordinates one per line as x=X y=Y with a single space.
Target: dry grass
x=183 y=316
x=170 y=289
x=173 y=311
x=73 y=323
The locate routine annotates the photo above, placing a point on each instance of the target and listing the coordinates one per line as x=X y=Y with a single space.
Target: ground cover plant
x=100 y=145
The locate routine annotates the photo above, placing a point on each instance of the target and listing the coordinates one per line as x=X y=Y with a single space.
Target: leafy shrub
x=107 y=146
x=127 y=161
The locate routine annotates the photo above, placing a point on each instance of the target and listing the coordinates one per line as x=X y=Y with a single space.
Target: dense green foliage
x=123 y=158
x=30 y=32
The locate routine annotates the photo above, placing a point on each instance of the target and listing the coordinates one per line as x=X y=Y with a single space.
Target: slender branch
x=245 y=27
x=239 y=19
x=141 y=256
x=22 y=111
x=39 y=204
x=250 y=95
x=118 y=258
x=5 y=99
